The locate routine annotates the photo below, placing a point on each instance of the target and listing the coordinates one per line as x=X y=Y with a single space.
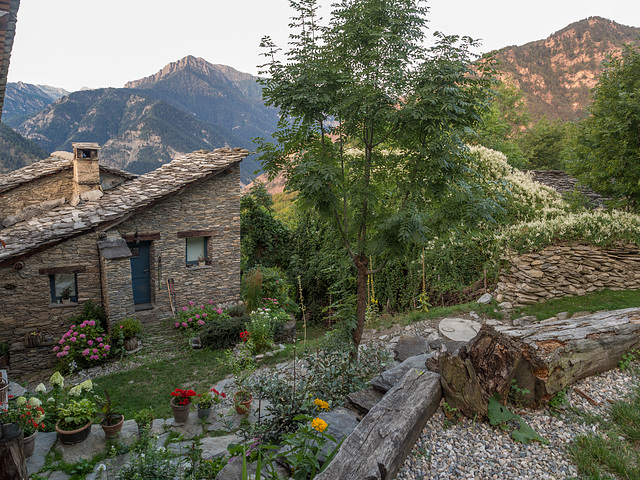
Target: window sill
x=64 y=305
x=197 y=267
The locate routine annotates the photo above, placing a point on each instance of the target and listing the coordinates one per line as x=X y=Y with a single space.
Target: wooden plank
x=66 y=269
x=199 y=233
x=143 y=237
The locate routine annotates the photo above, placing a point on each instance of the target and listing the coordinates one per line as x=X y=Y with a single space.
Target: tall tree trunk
x=362 y=265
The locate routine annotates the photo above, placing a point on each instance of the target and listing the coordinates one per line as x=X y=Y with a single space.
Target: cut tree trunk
x=543 y=358
x=13 y=463
x=379 y=445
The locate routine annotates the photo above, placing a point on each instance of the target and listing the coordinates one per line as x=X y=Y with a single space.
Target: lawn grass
x=602 y=300
x=615 y=452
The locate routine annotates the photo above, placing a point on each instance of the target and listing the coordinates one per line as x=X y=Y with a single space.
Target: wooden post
x=13 y=464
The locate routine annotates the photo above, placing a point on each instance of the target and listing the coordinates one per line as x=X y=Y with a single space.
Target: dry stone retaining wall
x=567 y=270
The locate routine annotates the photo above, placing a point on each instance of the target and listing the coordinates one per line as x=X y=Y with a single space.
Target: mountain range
x=192 y=104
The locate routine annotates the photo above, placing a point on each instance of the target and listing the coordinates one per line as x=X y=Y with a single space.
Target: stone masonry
x=566 y=270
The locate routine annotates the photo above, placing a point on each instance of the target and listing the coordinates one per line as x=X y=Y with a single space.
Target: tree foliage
x=608 y=144
x=372 y=126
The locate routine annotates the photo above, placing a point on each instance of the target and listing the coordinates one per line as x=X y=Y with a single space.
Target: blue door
x=140 y=271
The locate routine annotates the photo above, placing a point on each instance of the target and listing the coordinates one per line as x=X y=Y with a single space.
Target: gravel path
x=468 y=450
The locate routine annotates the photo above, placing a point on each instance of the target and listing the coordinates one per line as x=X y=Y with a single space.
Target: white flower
x=41 y=388
x=21 y=401
x=35 y=402
x=161 y=449
x=102 y=467
x=86 y=385
x=51 y=400
x=75 y=391
x=57 y=379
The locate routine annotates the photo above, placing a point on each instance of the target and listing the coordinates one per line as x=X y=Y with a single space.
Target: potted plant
x=112 y=421
x=75 y=418
x=144 y=419
x=180 y=404
x=242 y=365
x=9 y=425
x=65 y=295
x=32 y=339
x=130 y=329
x=30 y=419
x=209 y=400
x=202 y=260
x=4 y=356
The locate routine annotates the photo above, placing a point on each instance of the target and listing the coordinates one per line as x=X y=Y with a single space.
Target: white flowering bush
x=602 y=228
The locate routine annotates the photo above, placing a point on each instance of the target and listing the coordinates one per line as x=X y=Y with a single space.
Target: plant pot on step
x=242 y=402
x=71 y=437
x=29 y=444
x=111 y=431
x=180 y=412
x=130 y=344
x=203 y=412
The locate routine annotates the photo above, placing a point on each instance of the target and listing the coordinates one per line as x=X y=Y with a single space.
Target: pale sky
x=98 y=43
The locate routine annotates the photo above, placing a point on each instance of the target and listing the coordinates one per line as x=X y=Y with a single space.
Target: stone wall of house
x=212 y=206
x=25 y=298
x=117 y=291
x=567 y=270
x=41 y=190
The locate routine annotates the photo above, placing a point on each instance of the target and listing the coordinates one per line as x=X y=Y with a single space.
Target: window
x=63 y=284
x=196 y=249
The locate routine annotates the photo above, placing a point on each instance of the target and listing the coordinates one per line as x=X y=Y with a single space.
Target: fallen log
x=543 y=358
x=378 y=446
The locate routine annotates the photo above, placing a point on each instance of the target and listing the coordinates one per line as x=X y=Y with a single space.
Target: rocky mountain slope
x=556 y=74
x=17 y=151
x=136 y=132
x=22 y=99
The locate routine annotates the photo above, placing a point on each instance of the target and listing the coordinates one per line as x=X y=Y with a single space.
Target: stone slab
x=363 y=400
x=44 y=442
x=410 y=346
x=390 y=378
x=458 y=329
x=213 y=447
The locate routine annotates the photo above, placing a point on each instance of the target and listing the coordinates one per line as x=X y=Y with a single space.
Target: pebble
x=475 y=450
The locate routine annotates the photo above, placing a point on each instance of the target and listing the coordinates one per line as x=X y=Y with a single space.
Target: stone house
x=72 y=227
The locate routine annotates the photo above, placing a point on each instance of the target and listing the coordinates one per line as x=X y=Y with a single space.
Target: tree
x=545 y=144
x=608 y=143
x=372 y=126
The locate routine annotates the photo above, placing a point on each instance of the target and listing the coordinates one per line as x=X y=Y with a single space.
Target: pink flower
x=85 y=352
x=73 y=339
x=59 y=354
x=219 y=311
x=192 y=303
x=121 y=326
x=184 y=324
x=72 y=327
x=200 y=322
x=210 y=302
x=184 y=309
x=92 y=323
x=201 y=307
x=204 y=315
x=90 y=342
x=99 y=339
x=104 y=355
x=101 y=345
x=61 y=341
x=94 y=357
x=107 y=348
x=82 y=335
x=95 y=350
x=56 y=348
x=177 y=324
x=197 y=316
x=67 y=347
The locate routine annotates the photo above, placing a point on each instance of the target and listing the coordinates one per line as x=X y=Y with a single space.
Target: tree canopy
x=608 y=146
x=373 y=124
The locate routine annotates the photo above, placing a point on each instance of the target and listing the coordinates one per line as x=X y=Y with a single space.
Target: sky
x=97 y=43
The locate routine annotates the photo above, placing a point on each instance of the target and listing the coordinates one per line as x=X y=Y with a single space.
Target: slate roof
x=66 y=221
x=57 y=162
x=8 y=18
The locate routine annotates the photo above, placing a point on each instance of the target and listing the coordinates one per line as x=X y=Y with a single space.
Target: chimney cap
x=86 y=145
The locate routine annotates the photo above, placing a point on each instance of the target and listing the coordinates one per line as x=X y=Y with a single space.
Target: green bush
x=223 y=332
x=91 y=311
x=261 y=283
x=130 y=327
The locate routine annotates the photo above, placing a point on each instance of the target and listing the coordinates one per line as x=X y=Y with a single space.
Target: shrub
x=262 y=282
x=82 y=346
x=222 y=332
x=91 y=311
x=195 y=317
x=130 y=327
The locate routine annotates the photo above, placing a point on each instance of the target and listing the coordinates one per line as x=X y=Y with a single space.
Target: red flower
x=244 y=335
x=184 y=395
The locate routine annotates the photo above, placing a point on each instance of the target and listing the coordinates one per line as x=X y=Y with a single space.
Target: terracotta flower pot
x=29 y=444
x=71 y=437
x=180 y=412
x=111 y=431
x=241 y=403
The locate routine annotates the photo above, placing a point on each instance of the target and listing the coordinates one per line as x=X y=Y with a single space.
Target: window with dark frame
x=59 y=282
x=196 y=248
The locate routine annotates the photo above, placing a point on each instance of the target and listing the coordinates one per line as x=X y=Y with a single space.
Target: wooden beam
x=66 y=269
x=143 y=237
x=200 y=233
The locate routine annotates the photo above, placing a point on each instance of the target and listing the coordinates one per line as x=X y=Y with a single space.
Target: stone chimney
x=86 y=173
